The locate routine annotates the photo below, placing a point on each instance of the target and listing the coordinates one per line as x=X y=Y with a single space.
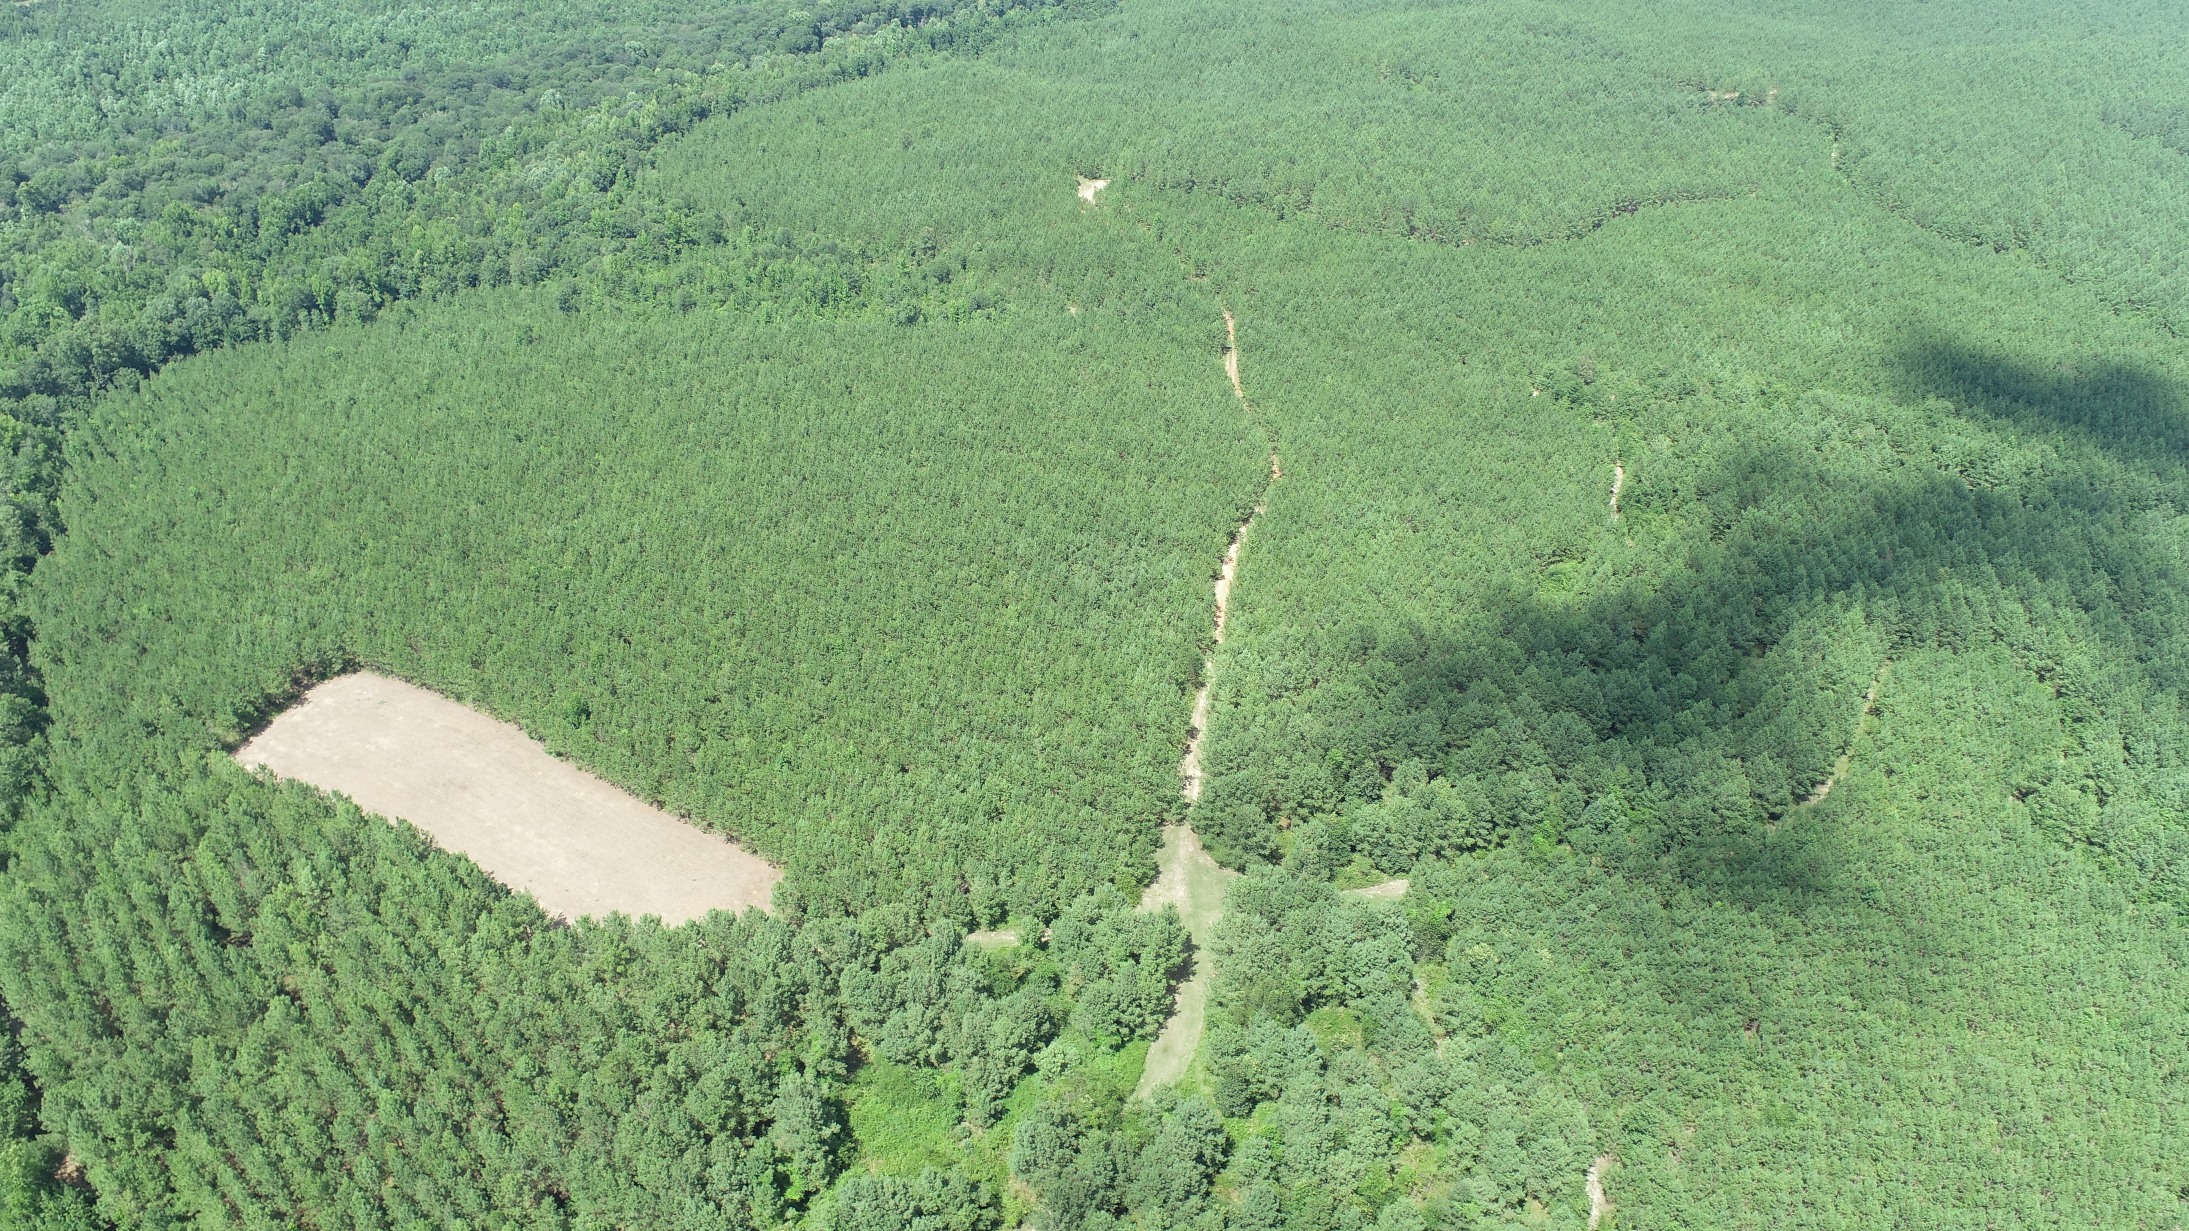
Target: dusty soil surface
x=1599 y=1204
x=1195 y=884
x=1172 y=1053
x=1388 y=891
x=1231 y=354
x=999 y=938
x=1419 y=999
x=1088 y=188
x=1187 y=878
x=1189 y=766
x=1618 y=480
x=486 y=790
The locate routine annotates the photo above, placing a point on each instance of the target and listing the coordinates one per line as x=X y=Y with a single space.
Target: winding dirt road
x=1187 y=878
x=1189 y=767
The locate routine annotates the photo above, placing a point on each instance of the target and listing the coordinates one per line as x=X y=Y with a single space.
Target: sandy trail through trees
x=1388 y=891
x=1618 y=480
x=1189 y=767
x=1187 y=878
x=1231 y=364
x=1599 y=1203
x=486 y=790
x=1847 y=757
x=1195 y=884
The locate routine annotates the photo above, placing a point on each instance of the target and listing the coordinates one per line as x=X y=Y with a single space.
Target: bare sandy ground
x=1231 y=355
x=1599 y=1201
x=1187 y=878
x=486 y=790
x=1195 y=884
x=1388 y=891
x=1189 y=766
x=1088 y=188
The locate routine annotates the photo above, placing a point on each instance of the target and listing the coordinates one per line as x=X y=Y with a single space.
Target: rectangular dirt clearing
x=486 y=790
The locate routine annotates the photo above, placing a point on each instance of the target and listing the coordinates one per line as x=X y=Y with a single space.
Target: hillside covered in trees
x=1700 y=722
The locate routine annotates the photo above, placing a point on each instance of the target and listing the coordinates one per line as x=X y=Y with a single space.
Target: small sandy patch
x=1088 y=188
x=1388 y=891
x=1195 y=884
x=486 y=790
x=998 y=938
x=1172 y=1052
x=1599 y=1203
x=1231 y=355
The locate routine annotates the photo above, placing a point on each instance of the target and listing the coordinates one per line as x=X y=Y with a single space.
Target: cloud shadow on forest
x=2134 y=413
x=1718 y=698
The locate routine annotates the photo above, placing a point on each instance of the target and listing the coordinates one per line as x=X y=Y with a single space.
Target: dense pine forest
x=1700 y=727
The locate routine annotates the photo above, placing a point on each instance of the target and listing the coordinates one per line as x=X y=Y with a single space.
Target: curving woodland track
x=1188 y=879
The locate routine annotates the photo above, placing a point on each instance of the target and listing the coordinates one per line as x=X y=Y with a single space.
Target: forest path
x=1618 y=481
x=1187 y=878
x=1599 y=1202
x=1189 y=767
x=1388 y=891
x=1195 y=884
x=1862 y=726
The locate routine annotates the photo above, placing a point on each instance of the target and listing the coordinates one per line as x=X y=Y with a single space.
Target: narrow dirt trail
x=1599 y=1201
x=1618 y=480
x=1231 y=358
x=1189 y=767
x=1194 y=884
x=1862 y=726
x=1187 y=878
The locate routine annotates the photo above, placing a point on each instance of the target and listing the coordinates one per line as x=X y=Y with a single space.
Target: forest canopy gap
x=486 y=790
